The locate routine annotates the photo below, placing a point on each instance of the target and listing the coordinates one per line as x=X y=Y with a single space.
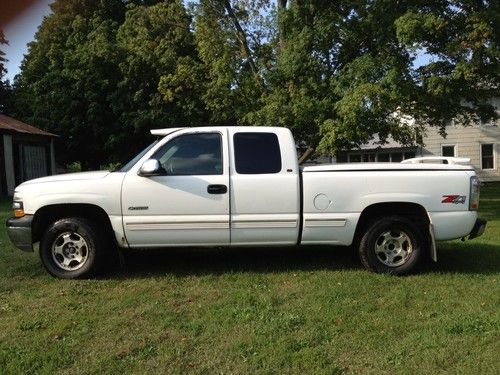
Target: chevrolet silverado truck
x=242 y=186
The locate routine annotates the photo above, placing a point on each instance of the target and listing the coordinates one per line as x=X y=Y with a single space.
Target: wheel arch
x=48 y=214
x=414 y=211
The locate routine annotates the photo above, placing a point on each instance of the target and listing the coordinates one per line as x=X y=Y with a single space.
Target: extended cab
x=242 y=186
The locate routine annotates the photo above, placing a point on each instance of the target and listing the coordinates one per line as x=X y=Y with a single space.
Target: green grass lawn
x=243 y=311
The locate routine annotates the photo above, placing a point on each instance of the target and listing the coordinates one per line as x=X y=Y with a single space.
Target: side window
x=192 y=154
x=487 y=156
x=448 y=150
x=257 y=153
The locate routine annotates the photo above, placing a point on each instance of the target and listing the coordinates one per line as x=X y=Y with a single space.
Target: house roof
x=376 y=144
x=12 y=125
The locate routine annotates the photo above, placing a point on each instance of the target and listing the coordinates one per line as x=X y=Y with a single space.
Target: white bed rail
x=437 y=159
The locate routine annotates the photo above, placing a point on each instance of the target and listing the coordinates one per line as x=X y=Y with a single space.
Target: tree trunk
x=242 y=38
x=307 y=155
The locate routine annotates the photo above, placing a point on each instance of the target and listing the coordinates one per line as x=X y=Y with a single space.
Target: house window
x=383 y=158
x=354 y=158
x=369 y=158
x=342 y=157
x=448 y=150
x=396 y=157
x=409 y=155
x=487 y=156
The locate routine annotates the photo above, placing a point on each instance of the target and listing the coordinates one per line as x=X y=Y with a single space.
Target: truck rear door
x=264 y=186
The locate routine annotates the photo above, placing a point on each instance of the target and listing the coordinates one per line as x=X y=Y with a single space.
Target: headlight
x=18 y=208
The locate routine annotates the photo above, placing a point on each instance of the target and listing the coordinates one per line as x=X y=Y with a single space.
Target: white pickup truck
x=242 y=186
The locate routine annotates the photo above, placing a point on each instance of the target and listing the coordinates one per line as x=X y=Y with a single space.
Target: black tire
x=391 y=245
x=71 y=248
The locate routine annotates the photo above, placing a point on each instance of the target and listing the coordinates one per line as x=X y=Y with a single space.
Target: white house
x=479 y=142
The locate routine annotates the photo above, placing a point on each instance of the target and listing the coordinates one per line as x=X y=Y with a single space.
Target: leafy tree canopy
x=98 y=71
x=345 y=70
x=103 y=72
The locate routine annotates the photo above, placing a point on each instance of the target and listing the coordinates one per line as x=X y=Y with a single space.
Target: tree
x=5 y=89
x=161 y=74
x=101 y=74
x=231 y=38
x=345 y=70
x=70 y=75
x=463 y=37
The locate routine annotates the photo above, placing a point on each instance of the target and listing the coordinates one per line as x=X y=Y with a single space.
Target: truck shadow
x=483 y=259
x=201 y=261
x=479 y=259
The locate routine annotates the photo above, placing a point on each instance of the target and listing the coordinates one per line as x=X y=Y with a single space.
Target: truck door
x=264 y=187
x=188 y=205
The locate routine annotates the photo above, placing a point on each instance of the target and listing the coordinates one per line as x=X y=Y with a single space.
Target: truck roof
x=167 y=131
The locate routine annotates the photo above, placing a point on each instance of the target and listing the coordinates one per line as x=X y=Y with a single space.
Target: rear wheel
x=391 y=245
x=70 y=248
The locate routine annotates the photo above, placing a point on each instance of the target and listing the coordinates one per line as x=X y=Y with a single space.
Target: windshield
x=132 y=162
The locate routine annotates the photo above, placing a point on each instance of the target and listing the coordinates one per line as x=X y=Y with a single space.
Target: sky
x=19 y=32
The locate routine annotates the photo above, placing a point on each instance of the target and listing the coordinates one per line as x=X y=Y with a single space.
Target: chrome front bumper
x=19 y=231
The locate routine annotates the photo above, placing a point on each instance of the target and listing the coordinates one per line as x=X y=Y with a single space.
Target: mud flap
x=432 y=243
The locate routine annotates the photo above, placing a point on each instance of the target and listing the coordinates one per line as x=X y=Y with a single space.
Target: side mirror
x=151 y=167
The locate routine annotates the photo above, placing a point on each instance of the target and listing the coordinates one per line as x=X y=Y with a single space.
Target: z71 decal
x=455 y=199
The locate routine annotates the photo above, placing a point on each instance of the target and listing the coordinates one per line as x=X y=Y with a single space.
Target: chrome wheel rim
x=70 y=251
x=393 y=248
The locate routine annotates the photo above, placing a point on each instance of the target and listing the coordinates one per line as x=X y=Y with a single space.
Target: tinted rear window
x=257 y=153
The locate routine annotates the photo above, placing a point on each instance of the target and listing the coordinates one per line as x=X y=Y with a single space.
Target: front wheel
x=391 y=245
x=69 y=248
